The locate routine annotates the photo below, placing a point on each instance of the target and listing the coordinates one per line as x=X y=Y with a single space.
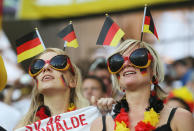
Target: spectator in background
x=8 y=115
x=190 y=84
x=99 y=68
x=183 y=71
x=93 y=86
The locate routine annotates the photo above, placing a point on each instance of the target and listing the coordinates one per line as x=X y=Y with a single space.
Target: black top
x=165 y=127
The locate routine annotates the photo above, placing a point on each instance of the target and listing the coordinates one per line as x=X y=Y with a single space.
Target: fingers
x=105 y=105
x=93 y=101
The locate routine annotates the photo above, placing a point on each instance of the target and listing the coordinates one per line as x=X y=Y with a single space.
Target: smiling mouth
x=129 y=73
x=47 y=78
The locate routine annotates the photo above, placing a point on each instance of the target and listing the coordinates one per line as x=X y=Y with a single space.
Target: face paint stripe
x=63 y=80
x=143 y=71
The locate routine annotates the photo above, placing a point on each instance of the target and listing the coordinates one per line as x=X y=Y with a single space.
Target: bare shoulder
x=98 y=126
x=183 y=120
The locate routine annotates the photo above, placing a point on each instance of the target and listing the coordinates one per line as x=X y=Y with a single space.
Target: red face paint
x=143 y=71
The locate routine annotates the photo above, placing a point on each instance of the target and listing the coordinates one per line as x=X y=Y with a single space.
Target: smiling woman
x=135 y=66
x=57 y=86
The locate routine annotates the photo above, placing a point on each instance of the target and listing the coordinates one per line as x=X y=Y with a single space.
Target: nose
x=46 y=68
x=127 y=62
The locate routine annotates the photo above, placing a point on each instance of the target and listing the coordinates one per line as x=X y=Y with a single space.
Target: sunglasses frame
x=48 y=61
x=127 y=58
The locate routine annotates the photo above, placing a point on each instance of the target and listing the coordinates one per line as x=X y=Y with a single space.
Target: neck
x=57 y=102
x=138 y=100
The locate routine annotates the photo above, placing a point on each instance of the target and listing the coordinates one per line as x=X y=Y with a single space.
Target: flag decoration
x=68 y=35
x=29 y=45
x=148 y=24
x=110 y=34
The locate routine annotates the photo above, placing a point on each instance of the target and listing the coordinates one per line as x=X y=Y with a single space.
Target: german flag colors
x=68 y=35
x=110 y=34
x=149 y=26
x=28 y=46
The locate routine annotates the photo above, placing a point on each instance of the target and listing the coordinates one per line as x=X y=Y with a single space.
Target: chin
x=44 y=89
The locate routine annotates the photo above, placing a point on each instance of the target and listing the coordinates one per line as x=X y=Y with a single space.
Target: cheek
x=63 y=81
x=143 y=71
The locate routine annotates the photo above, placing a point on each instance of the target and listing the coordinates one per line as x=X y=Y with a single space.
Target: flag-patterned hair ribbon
x=29 y=45
x=68 y=35
x=148 y=23
x=110 y=34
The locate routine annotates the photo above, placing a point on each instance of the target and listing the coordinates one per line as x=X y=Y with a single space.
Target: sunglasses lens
x=115 y=62
x=59 y=61
x=139 y=57
x=36 y=66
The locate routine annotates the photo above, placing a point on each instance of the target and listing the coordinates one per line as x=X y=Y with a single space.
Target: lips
x=47 y=77
x=127 y=72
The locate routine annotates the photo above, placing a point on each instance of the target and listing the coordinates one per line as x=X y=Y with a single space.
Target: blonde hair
x=156 y=64
x=38 y=99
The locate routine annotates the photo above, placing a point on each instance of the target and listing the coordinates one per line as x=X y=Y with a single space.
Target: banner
x=78 y=120
x=40 y=9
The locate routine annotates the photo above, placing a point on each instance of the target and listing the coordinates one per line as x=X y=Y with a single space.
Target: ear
x=72 y=83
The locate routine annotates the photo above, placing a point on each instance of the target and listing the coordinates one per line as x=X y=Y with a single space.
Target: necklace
x=43 y=111
x=151 y=116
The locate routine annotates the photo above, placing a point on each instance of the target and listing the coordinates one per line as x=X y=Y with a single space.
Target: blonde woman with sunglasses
x=135 y=67
x=57 y=86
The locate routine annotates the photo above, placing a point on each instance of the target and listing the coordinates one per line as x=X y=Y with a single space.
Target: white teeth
x=128 y=73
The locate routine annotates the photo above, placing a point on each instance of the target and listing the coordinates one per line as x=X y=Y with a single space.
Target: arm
x=183 y=120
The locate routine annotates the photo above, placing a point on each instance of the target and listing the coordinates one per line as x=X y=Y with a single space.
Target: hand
x=103 y=104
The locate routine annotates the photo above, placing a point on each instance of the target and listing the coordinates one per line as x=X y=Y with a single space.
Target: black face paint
x=143 y=71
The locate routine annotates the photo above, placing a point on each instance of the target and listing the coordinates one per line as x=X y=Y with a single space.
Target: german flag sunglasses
x=139 y=58
x=58 y=62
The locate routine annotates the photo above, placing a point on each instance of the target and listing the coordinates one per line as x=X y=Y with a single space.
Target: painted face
x=50 y=79
x=131 y=76
x=92 y=87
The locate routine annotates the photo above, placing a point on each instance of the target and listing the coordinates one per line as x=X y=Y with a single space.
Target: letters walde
x=79 y=120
